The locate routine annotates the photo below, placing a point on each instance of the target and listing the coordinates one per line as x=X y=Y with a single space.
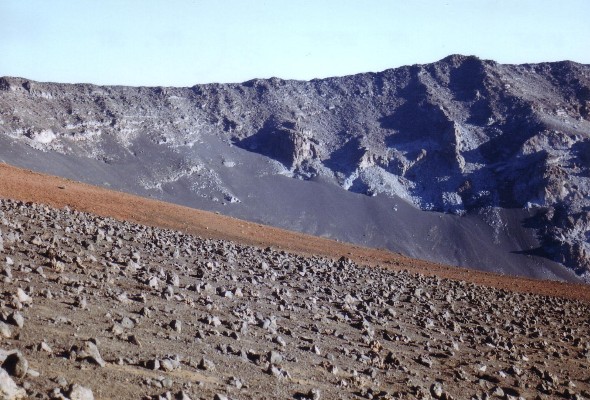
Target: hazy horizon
x=183 y=43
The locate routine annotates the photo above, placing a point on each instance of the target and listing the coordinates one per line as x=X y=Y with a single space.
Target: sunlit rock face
x=398 y=159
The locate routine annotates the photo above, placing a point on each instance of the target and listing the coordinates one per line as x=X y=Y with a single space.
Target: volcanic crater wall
x=462 y=136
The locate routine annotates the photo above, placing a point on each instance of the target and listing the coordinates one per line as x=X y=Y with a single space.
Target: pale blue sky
x=182 y=42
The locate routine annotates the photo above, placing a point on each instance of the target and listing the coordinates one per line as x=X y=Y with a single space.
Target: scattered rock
x=23 y=297
x=206 y=365
x=314 y=317
x=176 y=325
x=90 y=351
x=17 y=319
x=8 y=388
x=78 y=392
x=5 y=330
x=16 y=364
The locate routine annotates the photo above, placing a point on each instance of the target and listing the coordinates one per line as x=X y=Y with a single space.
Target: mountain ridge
x=452 y=58
x=462 y=136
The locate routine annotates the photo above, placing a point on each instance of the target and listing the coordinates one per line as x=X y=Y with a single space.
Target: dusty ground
x=130 y=311
x=16 y=183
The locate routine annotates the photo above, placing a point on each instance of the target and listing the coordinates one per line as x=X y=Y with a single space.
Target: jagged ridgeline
x=470 y=141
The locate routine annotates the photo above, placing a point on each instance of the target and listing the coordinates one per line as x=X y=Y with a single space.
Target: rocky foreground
x=97 y=308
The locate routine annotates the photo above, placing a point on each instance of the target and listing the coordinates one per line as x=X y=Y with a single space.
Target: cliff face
x=462 y=136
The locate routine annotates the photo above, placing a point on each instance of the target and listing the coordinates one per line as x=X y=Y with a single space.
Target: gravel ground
x=94 y=307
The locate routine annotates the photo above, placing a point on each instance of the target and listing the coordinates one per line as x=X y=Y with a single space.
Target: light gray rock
x=23 y=297
x=5 y=330
x=90 y=351
x=436 y=390
x=166 y=365
x=206 y=365
x=176 y=325
x=9 y=389
x=17 y=319
x=78 y=392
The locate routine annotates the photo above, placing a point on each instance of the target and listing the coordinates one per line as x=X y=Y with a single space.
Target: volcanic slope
x=463 y=161
x=94 y=307
x=31 y=187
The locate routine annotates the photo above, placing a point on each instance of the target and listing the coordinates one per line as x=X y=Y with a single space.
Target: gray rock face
x=461 y=136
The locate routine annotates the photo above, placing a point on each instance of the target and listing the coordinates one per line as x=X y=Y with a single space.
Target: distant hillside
x=462 y=161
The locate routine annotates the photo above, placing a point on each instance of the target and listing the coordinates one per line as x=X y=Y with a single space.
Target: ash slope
x=463 y=161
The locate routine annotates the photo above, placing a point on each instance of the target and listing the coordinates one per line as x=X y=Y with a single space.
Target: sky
x=186 y=42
